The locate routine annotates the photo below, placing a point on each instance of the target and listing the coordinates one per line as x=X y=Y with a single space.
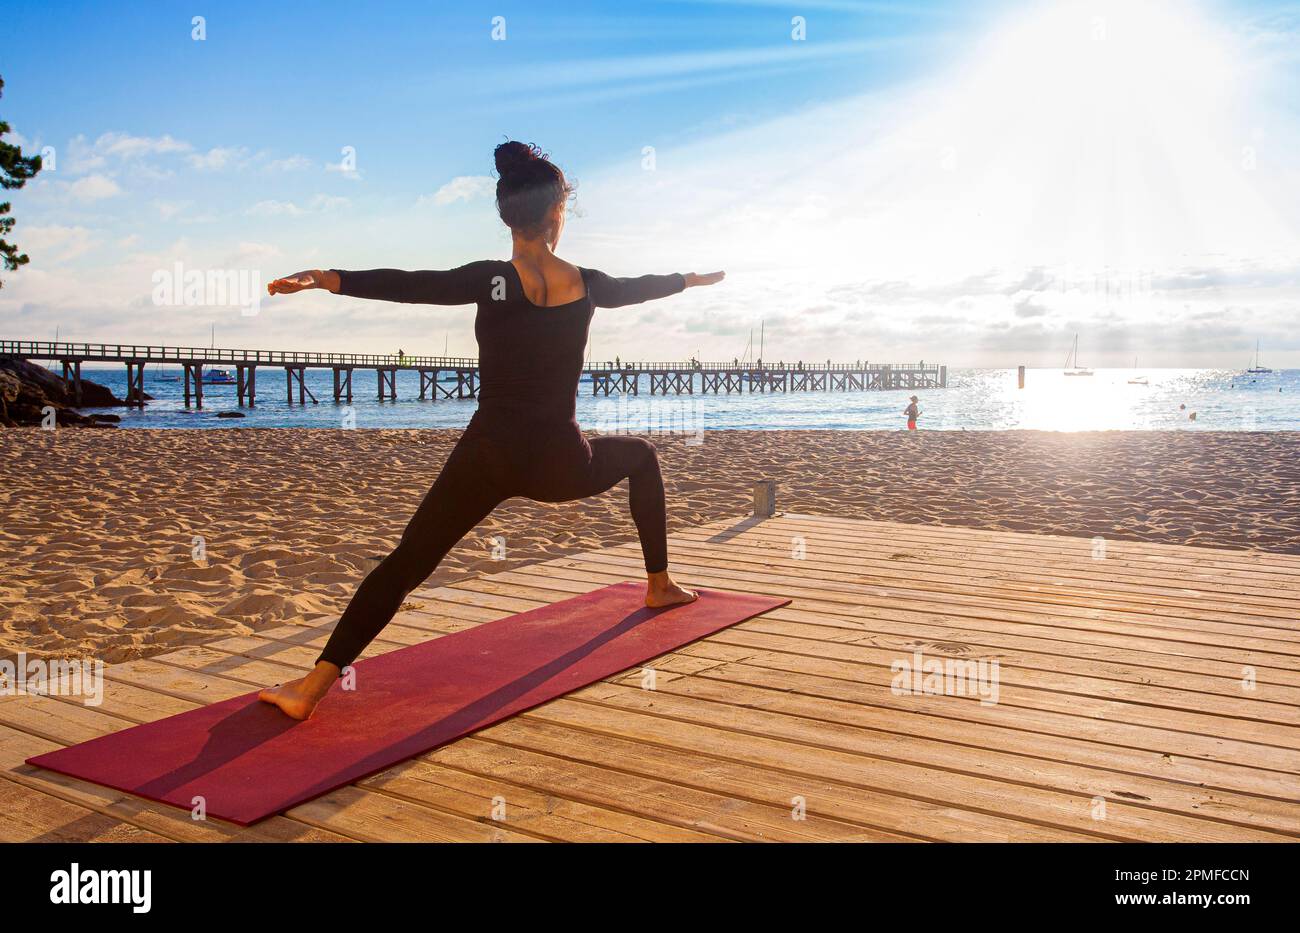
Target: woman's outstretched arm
x=460 y=286
x=609 y=292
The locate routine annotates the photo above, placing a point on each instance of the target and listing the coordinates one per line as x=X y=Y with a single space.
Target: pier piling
x=246 y=385
x=343 y=384
x=387 y=383
x=194 y=384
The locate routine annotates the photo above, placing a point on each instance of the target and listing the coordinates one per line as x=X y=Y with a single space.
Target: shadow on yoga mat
x=246 y=760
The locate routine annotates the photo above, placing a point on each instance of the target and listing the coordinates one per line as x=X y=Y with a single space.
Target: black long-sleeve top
x=530 y=357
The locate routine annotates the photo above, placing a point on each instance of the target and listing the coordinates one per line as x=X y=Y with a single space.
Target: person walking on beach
x=913 y=412
x=534 y=312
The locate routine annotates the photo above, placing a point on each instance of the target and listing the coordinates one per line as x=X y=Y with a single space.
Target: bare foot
x=660 y=591
x=298 y=698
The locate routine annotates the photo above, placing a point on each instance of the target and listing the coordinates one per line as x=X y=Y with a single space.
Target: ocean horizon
x=976 y=399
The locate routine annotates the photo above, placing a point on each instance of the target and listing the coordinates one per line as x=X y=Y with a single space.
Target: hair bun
x=513 y=155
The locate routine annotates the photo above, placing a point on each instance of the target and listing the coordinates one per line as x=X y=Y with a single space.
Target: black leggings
x=548 y=462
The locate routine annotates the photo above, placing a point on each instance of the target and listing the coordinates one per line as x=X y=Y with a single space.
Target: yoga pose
x=533 y=315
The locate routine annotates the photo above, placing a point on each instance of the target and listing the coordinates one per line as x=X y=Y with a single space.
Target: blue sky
x=969 y=181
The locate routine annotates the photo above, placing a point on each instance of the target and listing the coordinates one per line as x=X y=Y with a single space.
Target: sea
x=974 y=400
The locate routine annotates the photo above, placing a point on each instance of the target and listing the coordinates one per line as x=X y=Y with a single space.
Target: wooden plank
x=667 y=804
x=785 y=717
x=750 y=783
x=1172 y=746
x=953 y=556
x=855 y=708
x=813 y=592
x=808 y=763
x=1258 y=719
x=915 y=628
x=31 y=816
x=1080 y=577
x=1231 y=648
x=543 y=815
x=808 y=581
x=1152 y=552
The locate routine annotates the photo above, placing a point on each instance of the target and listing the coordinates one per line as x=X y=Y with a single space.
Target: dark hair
x=529 y=186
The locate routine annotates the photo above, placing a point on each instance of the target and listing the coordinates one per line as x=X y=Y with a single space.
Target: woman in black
x=533 y=315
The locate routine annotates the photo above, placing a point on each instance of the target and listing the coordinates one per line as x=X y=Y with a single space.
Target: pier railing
x=120 y=352
x=149 y=353
x=778 y=366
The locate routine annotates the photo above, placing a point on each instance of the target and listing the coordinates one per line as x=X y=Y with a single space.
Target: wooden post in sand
x=1021 y=377
x=765 y=498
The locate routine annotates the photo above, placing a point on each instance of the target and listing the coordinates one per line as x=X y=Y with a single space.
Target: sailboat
x=1072 y=367
x=1137 y=380
x=1257 y=368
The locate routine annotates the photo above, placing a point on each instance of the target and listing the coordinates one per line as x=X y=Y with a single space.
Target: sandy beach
x=124 y=544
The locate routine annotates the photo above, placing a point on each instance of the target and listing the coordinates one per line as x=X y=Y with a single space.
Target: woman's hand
x=301 y=281
x=706 y=278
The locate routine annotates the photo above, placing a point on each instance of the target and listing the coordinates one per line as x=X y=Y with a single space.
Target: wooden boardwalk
x=1123 y=713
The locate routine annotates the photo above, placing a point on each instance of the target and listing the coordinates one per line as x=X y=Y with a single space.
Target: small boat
x=1137 y=380
x=167 y=377
x=1072 y=367
x=1257 y=368
x=218 y=377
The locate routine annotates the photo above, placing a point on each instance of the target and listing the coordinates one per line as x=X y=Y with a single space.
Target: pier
x=458 y=377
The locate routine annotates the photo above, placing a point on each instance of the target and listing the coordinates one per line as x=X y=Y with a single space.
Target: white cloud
x=351 y=174
x=169 y=209
x=54 y=243
x=326 y=202
x=290 y=164
x=462 y=188
x=218 y=158
x=93 y=188
x=117 y=147
x=273 y=208
x=318 y=203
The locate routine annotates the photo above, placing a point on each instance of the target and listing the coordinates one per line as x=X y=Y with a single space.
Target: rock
x=230 y=414
x=27 y=390
x=10 y=387
x=107 y=419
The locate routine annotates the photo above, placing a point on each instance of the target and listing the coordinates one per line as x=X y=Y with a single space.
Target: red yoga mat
x=247 y=760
